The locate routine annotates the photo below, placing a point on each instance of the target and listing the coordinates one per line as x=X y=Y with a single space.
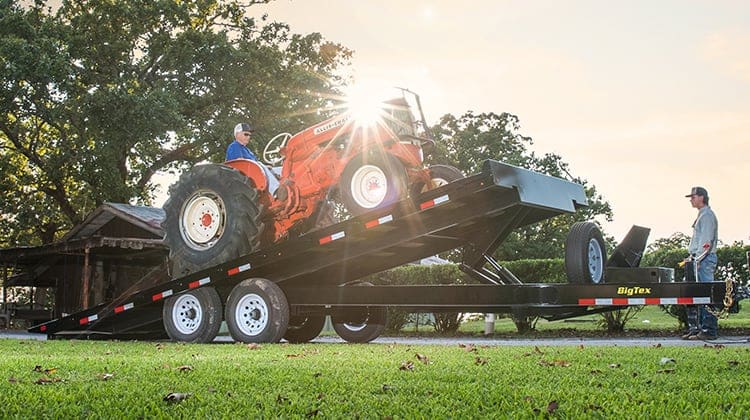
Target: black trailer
x=286 y=290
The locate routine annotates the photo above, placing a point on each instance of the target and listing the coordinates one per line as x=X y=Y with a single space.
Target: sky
x=643 y=99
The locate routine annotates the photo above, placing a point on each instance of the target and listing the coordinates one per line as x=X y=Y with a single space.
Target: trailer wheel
x=213 y=215
x=439 y=175
x=360 y=325
x=257 y=312
x=372 y=181
x=585 y=254
x=194 y=316
x=304 y=328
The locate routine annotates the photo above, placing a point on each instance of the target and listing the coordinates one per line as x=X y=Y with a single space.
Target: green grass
x=649 y=321
x=340 y=380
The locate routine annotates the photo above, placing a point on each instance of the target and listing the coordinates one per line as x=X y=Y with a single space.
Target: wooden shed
x=117 y=248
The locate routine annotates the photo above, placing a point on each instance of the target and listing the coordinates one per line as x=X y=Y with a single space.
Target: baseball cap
x=698 y=191
x=243 y=127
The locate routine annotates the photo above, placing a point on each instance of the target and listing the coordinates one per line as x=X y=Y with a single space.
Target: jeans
x=699 y=318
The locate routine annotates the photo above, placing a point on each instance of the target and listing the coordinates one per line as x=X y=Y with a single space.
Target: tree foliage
x=470 y=139
x=97 y=96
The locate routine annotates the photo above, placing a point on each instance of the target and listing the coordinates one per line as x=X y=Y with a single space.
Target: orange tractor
x=217 y=212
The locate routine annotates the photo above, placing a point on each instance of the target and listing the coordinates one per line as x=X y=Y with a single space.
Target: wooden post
x=86 y=280
x=489 y=324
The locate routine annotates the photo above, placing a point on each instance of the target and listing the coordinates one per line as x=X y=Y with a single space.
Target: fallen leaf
x=656 y=346
x=665 y=360
x=280 y=399
x=635 y=374
x=313 y=413
x=422 y=358
x=407 y=365
x=317 y=375
x=387 y=388
x=580 y=347
x=176 y=397
x=596 y=372
x=594 y=407
x=295 y=356
x=107 y=353
x=557 y=363
x=13 y=380
x=105 y=376
x=253 y=346
x=733 y=362
x=614 y=365
x=45 y=381
x=537 y=351
x=212 y=390
x=480 y=361
x=321 y=396
x=666 y=371
x=160 y=346
x=552 y=407
x=468 y=347
x=185 y=368
x=37 y=368
x=528 y=398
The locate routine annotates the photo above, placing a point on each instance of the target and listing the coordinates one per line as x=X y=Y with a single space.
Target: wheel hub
x=187 y=314
x=203 y=220
x=251 y=314
x=596 y=261
x=369 y=186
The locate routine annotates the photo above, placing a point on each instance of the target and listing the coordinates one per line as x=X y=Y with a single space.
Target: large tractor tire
x=193 y=316
x=372 y=181
x=213 y=215
x=585 y=254
x=302 y=329
x=439 y=175
x=257 y=312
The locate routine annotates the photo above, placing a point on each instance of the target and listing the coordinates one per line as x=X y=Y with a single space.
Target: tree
x=470 y=139
x=98 y=96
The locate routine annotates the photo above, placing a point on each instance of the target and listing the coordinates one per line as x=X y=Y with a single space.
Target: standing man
x=238 y=148
x=702 y=324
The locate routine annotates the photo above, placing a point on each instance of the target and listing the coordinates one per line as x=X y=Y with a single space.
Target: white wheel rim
x=187 y=314
x=355 y=327
x=251 y=314
x=369 y=186
x=596 y=261
x=203 y=219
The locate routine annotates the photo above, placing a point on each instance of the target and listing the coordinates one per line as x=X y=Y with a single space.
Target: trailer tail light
x=88 y=319
x=235 y=270
x=331 y=238
x=43 y=328
x=199 y=283
x=123 y=308
x=161 y=295
x=377 y=222
x=434 y=202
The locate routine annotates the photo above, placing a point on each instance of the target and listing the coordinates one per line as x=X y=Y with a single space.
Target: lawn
x=73 y=379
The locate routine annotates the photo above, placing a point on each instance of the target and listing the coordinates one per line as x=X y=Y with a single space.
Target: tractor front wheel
x=372 y=181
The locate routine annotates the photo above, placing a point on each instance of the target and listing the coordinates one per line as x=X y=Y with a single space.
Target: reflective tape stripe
x=381 y=221
x=161 y=295
x=434 y=202
x=331 y=238
x=199 y=283
x=239 y=269
x=88 y=319
x=645 y=301
x=123 y=308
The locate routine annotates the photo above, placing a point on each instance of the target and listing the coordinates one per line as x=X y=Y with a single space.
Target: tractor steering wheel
x=272 y=152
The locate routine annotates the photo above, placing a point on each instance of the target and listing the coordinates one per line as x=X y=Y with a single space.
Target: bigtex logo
x=630 y=291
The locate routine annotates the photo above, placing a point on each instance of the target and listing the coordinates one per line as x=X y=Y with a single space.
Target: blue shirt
x=238 y=151
x=705 y=231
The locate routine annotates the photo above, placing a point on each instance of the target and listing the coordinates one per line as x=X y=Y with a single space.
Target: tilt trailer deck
x=314 y=274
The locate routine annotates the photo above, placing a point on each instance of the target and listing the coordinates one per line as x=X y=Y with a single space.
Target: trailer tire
x=303 y=329
x=257 y=311
x=193 y=316
x=585 y=254
x=372 y=181
x=360 y=325
x=213 y=215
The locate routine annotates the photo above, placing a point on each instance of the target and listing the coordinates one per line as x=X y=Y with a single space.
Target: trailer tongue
x=286 y=289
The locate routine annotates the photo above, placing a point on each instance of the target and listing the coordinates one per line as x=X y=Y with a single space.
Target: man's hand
x=707 y=245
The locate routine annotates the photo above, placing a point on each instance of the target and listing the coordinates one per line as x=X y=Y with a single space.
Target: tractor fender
x=252 y=170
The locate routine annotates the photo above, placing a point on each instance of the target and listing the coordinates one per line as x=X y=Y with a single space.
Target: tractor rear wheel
x=372 y=181
x=213 y=215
